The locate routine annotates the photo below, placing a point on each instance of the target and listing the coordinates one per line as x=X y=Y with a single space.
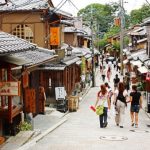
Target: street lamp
x=69 y=50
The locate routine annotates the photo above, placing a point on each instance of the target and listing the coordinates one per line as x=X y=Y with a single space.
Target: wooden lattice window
x=24 y=32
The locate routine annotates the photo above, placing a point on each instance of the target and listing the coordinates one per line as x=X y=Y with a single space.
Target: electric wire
x=73 y=4
x=59 y=6
x=147 y=2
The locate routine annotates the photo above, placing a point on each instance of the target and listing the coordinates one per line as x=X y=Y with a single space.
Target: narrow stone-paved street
x=82 y=132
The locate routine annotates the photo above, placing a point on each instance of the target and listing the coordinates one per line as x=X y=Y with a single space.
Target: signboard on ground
x=60 y=93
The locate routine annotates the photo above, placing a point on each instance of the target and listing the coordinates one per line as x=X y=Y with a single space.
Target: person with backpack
x=120 y=96
x=136 y=104
x=116 y=81
x=102 y=99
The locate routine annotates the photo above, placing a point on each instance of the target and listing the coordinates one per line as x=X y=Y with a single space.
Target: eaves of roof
x=11 y=44
x=29 y=58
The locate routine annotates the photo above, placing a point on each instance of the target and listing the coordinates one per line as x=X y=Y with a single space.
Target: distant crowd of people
x=122 y=95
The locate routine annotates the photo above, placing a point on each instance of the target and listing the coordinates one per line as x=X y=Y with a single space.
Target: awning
x=79 y=62
x=71 y=61
x=88 y=56
x=143 y=69
x=137 y=63
x=141 y=54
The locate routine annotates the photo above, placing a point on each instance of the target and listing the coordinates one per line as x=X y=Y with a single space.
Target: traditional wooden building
x=65 y=73
x=38 y=22
x=19 y=79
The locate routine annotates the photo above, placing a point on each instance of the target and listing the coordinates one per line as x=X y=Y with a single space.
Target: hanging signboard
x=25 y=79
x=9 y=88
x=55 y=36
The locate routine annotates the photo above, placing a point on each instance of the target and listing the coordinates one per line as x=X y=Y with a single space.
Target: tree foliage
x=137 y=15
x=101 y=16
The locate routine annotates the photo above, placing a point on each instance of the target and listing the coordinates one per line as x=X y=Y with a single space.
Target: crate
x=73 y=103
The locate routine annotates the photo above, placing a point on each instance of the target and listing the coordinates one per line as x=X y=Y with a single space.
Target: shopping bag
x=93 y=108
x=100 y=110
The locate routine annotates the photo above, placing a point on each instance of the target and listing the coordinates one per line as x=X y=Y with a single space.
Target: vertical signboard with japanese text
x=55 y=36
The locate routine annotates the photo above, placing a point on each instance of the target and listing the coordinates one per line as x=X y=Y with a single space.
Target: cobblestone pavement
x=81 y=131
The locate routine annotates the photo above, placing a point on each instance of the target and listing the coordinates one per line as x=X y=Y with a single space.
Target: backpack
x=121 y=97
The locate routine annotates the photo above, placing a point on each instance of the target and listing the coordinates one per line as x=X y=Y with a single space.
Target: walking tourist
x=103 y=73
x=116 y=81
x=109 y=74
x=120 y=96
x=102 y=99
x=136 y=104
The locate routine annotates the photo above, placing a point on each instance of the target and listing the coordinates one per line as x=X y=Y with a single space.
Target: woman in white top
x=120 y=102
x=103 y=99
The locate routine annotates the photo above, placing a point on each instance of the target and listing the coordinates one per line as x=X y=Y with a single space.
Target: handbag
x=100 y=110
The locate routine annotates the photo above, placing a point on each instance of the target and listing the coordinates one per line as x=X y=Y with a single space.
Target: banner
x=55 y=36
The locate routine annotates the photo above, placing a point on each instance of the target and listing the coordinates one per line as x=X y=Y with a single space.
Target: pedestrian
x=101 y=68
x=120 y=97
x=116 y=81
x=136 y=104
x=103 y=73
x=41 y=99
x=114 y=62
x=127 y=81
x=110 y=64
x=102 y=99
x=109 y=90
x=109 y=74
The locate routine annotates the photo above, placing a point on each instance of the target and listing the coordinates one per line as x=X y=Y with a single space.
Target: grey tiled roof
x=11 y=44
x=70 y=60
x=30 y=57
x=25 y=5
x=36 y=56
x=53 y=67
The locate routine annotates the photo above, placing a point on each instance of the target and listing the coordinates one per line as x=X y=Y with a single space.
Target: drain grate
x=140 y=131
x=113 y=138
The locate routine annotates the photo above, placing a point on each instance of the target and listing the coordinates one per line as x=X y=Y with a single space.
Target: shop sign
x=55 y=36
x=10 y=88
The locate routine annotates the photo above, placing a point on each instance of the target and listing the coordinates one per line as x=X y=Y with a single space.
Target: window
x=24 y=32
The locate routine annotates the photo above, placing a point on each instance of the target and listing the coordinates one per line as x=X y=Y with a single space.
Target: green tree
x=137 y=15
x=101 y=16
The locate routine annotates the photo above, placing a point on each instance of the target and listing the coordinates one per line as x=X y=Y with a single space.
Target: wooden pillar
x=10 y=109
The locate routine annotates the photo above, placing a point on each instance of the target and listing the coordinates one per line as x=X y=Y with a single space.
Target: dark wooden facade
x=60 y=78
x=10 y=106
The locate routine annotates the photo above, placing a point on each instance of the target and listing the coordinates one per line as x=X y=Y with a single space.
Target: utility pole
x=121 y=34
x=92 y=47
